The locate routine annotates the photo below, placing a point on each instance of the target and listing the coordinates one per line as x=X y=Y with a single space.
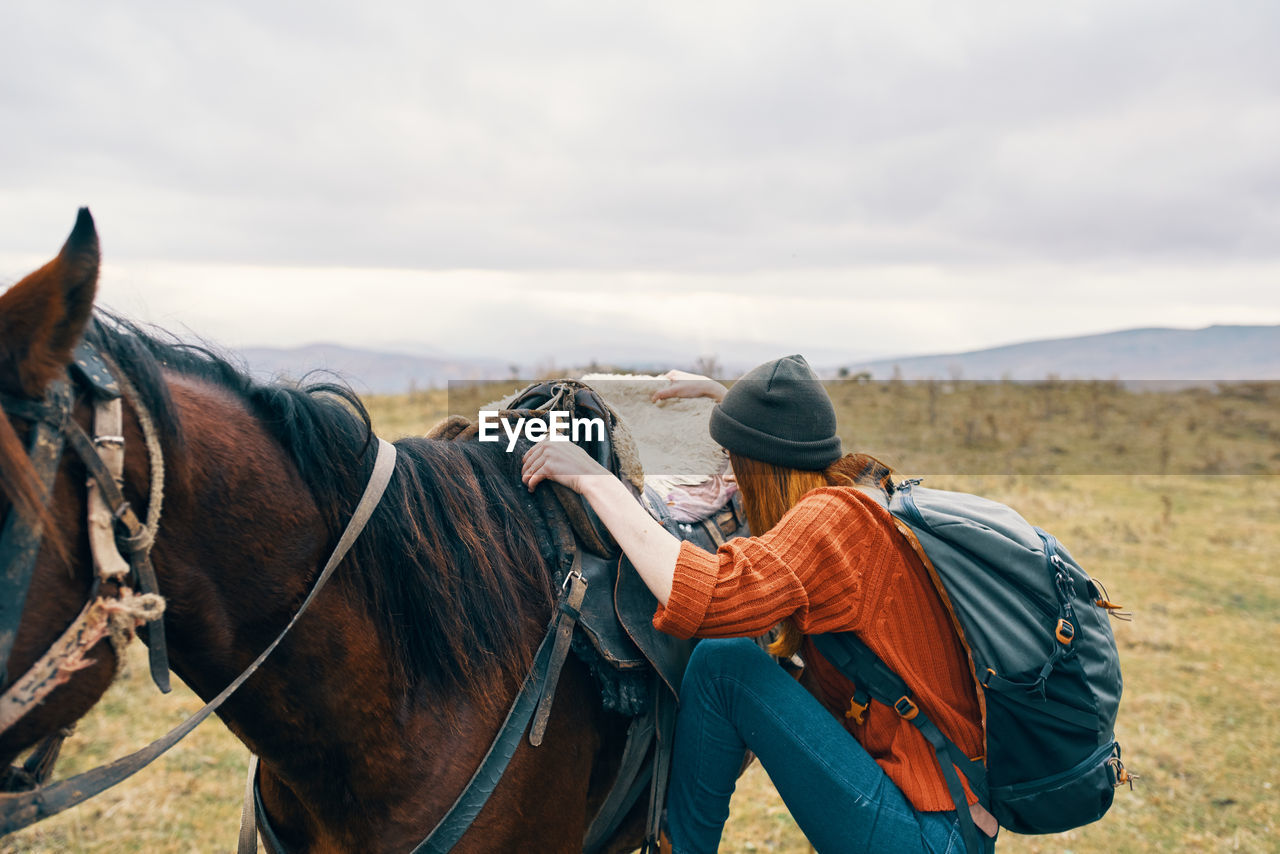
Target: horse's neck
x=240 y=540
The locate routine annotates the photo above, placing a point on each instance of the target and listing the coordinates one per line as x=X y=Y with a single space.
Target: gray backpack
x=1037 y=631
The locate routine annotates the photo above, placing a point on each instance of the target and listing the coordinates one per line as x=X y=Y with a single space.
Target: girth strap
x=537 y=684
x=250 y=825
x=458 y=819
x=456 y=822
x=664 y=732
x=634 y=773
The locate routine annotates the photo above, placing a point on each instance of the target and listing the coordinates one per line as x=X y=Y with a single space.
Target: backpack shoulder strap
x=912 y=540
x=855 y=660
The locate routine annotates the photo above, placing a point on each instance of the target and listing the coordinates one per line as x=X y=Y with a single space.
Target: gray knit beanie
x=779 y=413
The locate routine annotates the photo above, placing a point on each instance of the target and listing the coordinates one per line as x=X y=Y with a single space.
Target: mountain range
x=370 y=371
x=1227 y=353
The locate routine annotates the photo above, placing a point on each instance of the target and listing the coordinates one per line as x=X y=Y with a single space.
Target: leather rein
x=119 y=542
x=25 y=798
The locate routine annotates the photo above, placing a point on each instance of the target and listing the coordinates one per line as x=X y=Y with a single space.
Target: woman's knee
x=721 y=657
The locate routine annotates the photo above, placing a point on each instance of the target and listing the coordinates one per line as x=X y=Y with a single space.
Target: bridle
x=120 y=543
x=121 y=547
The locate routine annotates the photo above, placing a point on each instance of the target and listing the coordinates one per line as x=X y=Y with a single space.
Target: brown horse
x=376 y=709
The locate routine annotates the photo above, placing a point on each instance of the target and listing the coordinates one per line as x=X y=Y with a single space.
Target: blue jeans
x=736 y=698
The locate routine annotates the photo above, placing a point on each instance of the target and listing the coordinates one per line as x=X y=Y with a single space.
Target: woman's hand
x=562 y=462
x=651 y=549
x=685 y=384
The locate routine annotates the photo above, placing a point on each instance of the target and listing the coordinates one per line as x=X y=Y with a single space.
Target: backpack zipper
x=909 y=503
x=1096 y=759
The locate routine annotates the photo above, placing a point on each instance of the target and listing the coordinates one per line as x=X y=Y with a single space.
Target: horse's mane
x=454 y=564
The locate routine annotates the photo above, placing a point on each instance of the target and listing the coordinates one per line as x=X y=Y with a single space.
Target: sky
x=539 y=181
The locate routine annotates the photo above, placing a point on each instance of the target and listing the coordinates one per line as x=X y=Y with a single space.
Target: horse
x=374 y=711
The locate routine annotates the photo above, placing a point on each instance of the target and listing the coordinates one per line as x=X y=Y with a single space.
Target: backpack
x=1036 y=629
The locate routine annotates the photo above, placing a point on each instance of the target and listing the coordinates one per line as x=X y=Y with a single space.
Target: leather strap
x=665 y=723
x=38 y=766
x=18 y=810
x=570 y=609
x=270 y=841
x=92 y=370
x=137 y=544
x=248 y=841
x=634 y=772
x=108 y=442
x=458 y=819
x=712 y=527
x=468 y=804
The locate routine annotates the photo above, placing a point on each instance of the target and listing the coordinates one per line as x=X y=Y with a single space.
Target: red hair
x=769 y=491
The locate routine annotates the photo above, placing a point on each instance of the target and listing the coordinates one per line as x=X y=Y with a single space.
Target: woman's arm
x=685 y=384
x=649 y=547
x=809 y=567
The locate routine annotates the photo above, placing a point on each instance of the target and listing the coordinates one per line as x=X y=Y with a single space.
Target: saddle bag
x=1044 y=658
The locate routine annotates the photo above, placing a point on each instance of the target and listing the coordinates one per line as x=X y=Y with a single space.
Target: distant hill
x=1212 y=353
x=370 y=371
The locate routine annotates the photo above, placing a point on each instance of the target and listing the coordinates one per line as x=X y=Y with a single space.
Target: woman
x=829 y=560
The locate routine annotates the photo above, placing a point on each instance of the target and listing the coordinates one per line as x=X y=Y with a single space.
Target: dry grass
x=1192 y=552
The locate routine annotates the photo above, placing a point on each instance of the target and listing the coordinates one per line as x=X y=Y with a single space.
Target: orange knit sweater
x=836 y=563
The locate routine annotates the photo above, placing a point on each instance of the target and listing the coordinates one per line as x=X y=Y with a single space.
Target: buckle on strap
x=1065 y=632
x=857 y=711
x=906 y=709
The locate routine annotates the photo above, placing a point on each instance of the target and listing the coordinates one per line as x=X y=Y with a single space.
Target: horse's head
x=42 y=318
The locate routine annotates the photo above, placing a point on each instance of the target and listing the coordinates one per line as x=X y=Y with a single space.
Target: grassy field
x=1171 y=499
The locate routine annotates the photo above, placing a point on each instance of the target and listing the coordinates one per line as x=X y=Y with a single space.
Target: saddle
x=637 y=668
x=617 y=612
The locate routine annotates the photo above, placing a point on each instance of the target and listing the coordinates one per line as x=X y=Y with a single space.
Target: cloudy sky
x=537 y=180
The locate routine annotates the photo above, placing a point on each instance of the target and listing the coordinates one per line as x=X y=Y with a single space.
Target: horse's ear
x=43 y=316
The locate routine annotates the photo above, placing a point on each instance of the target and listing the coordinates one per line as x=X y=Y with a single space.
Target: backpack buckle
x=1065 y=632
x=857 y=711
x=905 y=708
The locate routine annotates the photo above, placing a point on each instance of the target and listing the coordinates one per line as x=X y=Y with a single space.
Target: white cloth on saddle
x=671 y=436
x=692 y=499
